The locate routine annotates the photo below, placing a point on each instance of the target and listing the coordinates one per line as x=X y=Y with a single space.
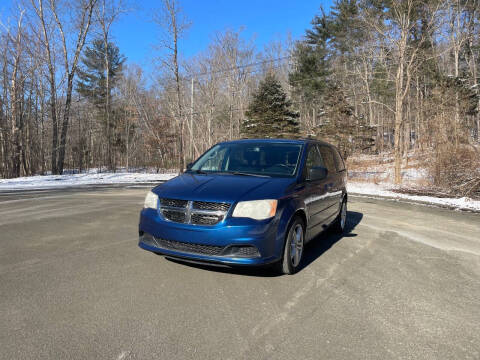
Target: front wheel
x=341 y=220
x=294 y=242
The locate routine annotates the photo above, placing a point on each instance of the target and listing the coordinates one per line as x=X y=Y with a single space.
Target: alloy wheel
x=343 y=215
x=296 y=245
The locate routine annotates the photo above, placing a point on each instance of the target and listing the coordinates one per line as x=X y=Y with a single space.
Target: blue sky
x=265 y=20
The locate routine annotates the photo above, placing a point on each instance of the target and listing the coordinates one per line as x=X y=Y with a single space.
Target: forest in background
x=371 y=76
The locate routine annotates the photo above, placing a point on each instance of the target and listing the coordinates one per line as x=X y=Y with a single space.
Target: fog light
x=146 y=238
x=245 y=251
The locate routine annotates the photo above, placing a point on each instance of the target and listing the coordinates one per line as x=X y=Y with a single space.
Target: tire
x=292 y=253
x=341 y=220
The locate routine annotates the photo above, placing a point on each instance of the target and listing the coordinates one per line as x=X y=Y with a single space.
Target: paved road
x=403 y=283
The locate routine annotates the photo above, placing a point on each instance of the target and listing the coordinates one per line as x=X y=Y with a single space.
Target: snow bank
x=91 y=178
x=372 y=175
x=123 y=177
x=369 y=189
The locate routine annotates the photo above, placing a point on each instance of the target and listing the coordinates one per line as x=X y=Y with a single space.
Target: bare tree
x=106 y=14
x=83 y=11
x=459 y=31
x=171 y=20
x=17 y=78
x=397 y=33
x=78 y=20
x=49 y=49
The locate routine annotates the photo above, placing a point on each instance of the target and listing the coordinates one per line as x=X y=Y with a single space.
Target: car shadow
x=313 y=250
x=324 y=241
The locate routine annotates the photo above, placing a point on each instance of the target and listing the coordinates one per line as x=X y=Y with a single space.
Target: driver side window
x=214 y=160
x=313 y=159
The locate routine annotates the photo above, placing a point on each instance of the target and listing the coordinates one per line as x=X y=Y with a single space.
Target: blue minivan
x=248 y=202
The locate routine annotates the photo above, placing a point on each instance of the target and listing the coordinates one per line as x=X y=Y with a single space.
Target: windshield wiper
x=245 y=174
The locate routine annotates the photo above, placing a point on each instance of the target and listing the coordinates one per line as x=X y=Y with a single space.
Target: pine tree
x=96 y=87
x=92 y=72
x=312 y=68
x=347 y=30
x=317 y=85
x=341 y=127
x=269 y=115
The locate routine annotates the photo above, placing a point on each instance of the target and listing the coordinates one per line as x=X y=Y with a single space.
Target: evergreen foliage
x=346 y=28
x=96 y=87
x=269 y=114
x=309 y=79
x=339 y=126
x=339 y=35
x=92 y=73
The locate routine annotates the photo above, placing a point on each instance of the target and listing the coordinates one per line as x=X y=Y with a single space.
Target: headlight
x=151 y=200
x=256 y=209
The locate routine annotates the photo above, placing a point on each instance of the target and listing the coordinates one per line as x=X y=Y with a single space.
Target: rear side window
x=338 y=160
x=328 y=160
x=313 y=158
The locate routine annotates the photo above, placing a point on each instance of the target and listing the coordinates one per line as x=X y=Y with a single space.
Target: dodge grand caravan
x=248 y=202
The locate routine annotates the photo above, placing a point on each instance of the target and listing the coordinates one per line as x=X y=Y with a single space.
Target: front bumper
x=234 y=241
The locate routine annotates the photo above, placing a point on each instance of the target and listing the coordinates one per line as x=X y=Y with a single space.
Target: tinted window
x=338 y=160
x=214 y=160
x=313 y=159
x=328 y=160
x=263 y=158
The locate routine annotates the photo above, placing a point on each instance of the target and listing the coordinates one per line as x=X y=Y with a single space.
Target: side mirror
x=317 y=173
x=189 y=166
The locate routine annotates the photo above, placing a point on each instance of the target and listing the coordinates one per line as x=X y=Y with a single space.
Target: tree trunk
x=399 y=119
x=181 y=155
x=369 y=96
x=457 y=105
x=110 y=163
x=66 y=117
x=15 y=103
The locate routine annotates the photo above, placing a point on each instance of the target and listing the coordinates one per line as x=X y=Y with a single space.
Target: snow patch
x=90 y=178
x=383 y=190
x=123 y=177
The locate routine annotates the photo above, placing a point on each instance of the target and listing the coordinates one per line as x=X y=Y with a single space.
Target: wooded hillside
x=369 y=75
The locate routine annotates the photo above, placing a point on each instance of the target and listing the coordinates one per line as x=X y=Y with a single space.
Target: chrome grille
x=177 y=216
x=174 y=203
x=201 y=219
x=193 y=212
x=204 y=205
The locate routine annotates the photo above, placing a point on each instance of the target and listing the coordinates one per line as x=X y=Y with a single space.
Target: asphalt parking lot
x=404 y=282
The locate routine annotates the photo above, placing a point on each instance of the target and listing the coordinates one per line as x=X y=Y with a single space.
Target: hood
x=218 y=187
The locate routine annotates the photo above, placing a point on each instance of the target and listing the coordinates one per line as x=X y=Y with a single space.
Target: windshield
x=262 y=159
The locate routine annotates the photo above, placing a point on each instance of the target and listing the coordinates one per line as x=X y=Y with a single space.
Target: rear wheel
x=294 y=243
x=341 y=220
